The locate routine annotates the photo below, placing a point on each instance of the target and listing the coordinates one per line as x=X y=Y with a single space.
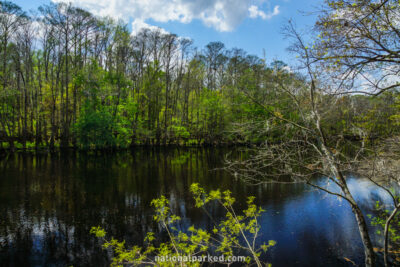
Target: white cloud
x=137 y=25
x=222 y=15
x=287 y=69
x=255 y=12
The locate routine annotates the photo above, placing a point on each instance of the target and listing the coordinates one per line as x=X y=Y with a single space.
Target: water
x=49 y=202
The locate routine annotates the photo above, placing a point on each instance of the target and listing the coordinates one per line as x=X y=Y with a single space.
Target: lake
x=49 y=202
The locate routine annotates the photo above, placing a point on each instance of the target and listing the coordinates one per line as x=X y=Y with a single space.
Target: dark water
x=48 y=204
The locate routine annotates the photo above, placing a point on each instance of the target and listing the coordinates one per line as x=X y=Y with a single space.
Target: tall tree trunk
x=366 y=240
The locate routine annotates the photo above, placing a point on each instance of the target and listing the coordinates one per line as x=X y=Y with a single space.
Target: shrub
x=236 y=233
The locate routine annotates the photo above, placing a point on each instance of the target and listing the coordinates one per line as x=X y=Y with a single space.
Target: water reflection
x=49 y=203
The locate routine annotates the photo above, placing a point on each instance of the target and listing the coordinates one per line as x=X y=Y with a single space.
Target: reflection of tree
x=49 y=202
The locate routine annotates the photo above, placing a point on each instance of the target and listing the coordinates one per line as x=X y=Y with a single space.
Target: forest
x=72 y=79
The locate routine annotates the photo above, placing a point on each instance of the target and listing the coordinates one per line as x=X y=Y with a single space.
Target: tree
x=358 y=44
x=304 y=149
x=214 y=59
x=96 y=124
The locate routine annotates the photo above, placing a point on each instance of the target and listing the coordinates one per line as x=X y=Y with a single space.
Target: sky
x=253 y=25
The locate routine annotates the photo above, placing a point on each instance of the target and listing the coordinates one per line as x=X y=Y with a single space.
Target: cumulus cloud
x=222 y=15
x=255 y=12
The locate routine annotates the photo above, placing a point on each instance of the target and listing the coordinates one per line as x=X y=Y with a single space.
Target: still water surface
x=49 y=202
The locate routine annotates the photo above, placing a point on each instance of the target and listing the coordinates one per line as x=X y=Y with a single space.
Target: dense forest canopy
x=71 y=79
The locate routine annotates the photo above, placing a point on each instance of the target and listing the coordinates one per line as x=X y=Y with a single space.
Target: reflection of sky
x=49 y=223
x=319 y=227
x=301 y=225
x=305 y=224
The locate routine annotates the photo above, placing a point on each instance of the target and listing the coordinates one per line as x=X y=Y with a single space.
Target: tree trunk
x=370 y=256
x=386 y=235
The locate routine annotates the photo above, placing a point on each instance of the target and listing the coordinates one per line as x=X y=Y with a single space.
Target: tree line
x=72 y=79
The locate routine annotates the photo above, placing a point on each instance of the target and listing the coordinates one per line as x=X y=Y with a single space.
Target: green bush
x=236 y=233
x=95 y=127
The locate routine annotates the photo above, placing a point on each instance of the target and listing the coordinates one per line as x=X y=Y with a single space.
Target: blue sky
x=252 y=25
